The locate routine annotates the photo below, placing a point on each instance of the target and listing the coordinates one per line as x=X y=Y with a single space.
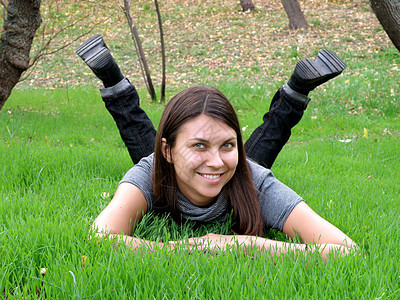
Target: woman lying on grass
x=199 y=170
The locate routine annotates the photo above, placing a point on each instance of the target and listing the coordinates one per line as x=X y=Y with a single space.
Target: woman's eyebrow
x=206 y=141
x=198 y=139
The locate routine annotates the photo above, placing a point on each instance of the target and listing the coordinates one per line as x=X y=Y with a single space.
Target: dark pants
x=138 y=133
x=267 y=140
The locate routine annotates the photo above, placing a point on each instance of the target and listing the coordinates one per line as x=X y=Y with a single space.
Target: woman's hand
x=220 y=242
x=211 y=241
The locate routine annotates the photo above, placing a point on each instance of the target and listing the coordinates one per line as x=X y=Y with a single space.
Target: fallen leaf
x=84 y=258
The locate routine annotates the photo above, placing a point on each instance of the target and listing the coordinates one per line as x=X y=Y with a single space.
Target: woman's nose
x=214 y=159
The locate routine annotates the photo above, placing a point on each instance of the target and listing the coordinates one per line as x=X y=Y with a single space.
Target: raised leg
x=267 y=140
x=135 y=127
x=288 y=105
x=121 y=99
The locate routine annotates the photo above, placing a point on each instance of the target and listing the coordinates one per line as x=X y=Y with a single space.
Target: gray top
x=276 y=199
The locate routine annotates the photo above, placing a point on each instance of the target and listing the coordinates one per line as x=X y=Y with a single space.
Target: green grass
x=61 y=160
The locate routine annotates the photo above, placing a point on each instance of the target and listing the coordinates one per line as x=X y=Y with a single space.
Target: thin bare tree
x=162 y=51
x=139 y=50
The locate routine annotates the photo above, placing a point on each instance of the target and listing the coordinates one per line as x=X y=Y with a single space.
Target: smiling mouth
x=209 y=176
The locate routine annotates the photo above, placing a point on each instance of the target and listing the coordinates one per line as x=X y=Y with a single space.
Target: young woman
x=199 y=170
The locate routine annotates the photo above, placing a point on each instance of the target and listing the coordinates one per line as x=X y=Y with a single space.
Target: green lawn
x=61 y=159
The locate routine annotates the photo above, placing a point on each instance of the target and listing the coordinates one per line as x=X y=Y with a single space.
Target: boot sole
x=100 y=59
x=327 y=65
x=84 y=49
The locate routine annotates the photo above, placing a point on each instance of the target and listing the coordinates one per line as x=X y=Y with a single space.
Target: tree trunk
x=247 y=5
x=163 y=59
x=23 y=19
x=140 y=52
x=295 y=14
x=388 y=14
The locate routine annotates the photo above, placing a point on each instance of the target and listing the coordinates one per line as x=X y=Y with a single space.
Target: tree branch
x=41 y=53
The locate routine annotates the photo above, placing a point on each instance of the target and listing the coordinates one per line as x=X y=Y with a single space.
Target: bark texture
x=247 y=5
x=295 y=14
x=22 y=21
x=388 y=14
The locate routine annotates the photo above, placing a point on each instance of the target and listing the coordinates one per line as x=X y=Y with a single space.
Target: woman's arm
x=129 y=205
x=118 y=218
x=302 y=221
x=314 y=229
x=218 y=242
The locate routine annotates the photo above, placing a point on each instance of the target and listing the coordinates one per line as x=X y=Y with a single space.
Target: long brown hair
x=241 y=192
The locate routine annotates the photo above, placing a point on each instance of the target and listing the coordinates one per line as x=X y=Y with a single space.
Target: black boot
x=97 y=56
x=309 y=74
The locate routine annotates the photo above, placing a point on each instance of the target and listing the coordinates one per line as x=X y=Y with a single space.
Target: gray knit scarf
x=216 y=212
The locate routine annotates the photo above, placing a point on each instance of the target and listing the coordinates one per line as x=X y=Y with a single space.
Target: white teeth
x=211 y=176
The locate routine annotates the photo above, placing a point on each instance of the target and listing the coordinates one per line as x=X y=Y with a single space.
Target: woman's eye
x=199 y=146
x=227 y=146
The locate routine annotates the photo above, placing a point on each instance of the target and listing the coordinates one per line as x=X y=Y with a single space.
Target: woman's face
x=205 y=156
